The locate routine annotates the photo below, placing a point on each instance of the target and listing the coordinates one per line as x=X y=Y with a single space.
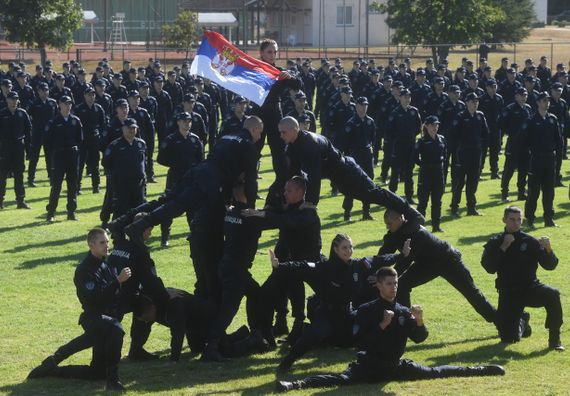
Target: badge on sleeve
x=355 y=276
x=401 y=320
x=90 y=285
x=523 y=247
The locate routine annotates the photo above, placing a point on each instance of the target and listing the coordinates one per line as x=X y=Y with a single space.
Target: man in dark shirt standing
x=98 y=291
x=514 y=256
x=381 y=331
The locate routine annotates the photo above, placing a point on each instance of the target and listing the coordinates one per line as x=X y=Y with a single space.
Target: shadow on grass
x=59 y=242
x=24 y=226
x=31 y=264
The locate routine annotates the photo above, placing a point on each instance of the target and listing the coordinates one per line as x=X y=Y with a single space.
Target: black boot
x=296 y=332
x=141 y=354
x=480 y=371
x=554 y=340
x=164 y=240
x=22 y=205
x=285 y=386
x=212 y=353
x=527 y=330
x=280 y=327
x=46 y=368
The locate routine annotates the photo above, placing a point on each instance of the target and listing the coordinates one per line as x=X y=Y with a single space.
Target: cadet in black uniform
x=26 y=93
x=64 y=135
x=430 y=257
x=513 y=118
x=59 y=89
x=404 y=124
x=235 y=121
x=42 y=111
x=509 y=86
x=338 y=116
x=125 y=159
x=93 y=119
x=491 y=105
x=430 y=154
x=447 y=115
x=541 y=135
x=117 y=90
x=98 y=290
x=514 y=256
x=301 y=109
x=381 y=330
x=360 y=130
x=470 y=134
x=164 y=109
x=146 y=131
x=15 y=128
x=148 y=102
x=173 y=88
x=559 y=108
x=435 y=98
x=103 y=99
x=179 y=151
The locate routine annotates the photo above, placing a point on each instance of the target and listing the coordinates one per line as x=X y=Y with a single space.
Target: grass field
x=39 y=308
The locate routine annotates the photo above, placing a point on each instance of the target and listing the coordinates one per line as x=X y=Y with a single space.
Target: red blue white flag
x=218 y=60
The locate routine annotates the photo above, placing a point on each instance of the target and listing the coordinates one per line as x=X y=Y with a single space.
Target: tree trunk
x=443 y=52
x=43 y=55
x=434 y=55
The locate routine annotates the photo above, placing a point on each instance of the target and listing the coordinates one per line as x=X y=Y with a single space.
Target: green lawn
x=39 y=308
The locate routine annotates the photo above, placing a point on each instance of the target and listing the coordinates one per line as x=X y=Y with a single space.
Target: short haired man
x=514 y=256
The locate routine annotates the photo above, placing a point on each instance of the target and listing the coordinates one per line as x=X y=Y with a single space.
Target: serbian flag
x=233 y=69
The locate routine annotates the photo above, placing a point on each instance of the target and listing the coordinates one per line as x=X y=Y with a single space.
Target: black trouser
x=127 y=193
x=386 y=159
x=161 y=130
x=327 y=325
x=453 y=270
x=494 y=148
x=89 y=155
x=65 y=163
x=402 y=166
x=107 y=206
x=149 y=169
x=172 y=178
x=430 y=183
x=280 y=167
x=105 y=335
x=513 y=301
x=34 y=155
x=405 y=370
x=515 y=158
x=541 y=176
x=467 y=171
x=363 y=158
x=12 y=158
x=236 y=282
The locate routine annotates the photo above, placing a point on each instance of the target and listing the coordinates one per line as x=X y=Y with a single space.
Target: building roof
x=211 y=5
x=217 y=19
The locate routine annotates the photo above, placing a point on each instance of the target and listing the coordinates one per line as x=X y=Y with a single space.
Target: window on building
x=344 y=15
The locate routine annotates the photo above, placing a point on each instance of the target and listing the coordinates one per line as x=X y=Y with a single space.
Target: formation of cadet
x=460 y=119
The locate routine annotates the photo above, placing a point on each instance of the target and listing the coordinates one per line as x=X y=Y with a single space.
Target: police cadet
x=148 y=101
x=15 y=129
x=447 y=115
x=235 y=120
x=513 y=118
x=339 y=114
x=530 y=85
x=146 y=131
x=419 y=90
x=491 y=105
x=559 y=108
x=473 y=87
x=508 y=87
x=219 y=103
x=79 y=87
x=103 y=99
x=117 y=90
x=93 y=119
x=6 y=87
x=63 y=137
x=98 y=290
x=315 y=155
x=300 y=109
x=164 y=108
x=198 y=127
x=131 y=82
x=173 y=88
x=470 y=134
x=309 y=83
x=113 y=131
x=404 y=124
x=26 y=93
x=179 y=151
x=59 y=89
x=514 y=256
x=42 y=111
x=403 y=76
x=125 y=159
x=541 y=135
x=435 y=98
x=390 y=102
x=459 y=79
x=360 y=130
x=544 y=73
x=381 y=330
x=430 y=155
x=501 y=72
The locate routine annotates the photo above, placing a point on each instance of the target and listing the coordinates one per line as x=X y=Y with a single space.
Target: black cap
x=514 y=65
x=133 y=94
x=21 y=74
x=189 y=98
x=375 y=72
x=101 y=83
x=198 y=80
x=59 y=77
x=132 y=70
x=388 y=77
x=471 y=96
x=239 y=99
x=469 y=62
x=81 y=72
x=300 y=95
x=141 y=69
x=454 y=88
x=405 y=92
x=171 y=73
x=304 y=118
x=65 y=99
x=43 y=86
x=530 y=79
x=420 y=72
x=130 y=122
x=543 y=95
x=505 y=59
x=521 y=91
x=118 y=76
x=362 y=100
x=13 y=95
x=482 y=60
x=432 y=120
x=487 y=68
x=126 y=61
x=343 y=80
x=510 y=70
x=556 y=85
x=473 y=76
x=346 y=90
x=490 y=82
x=143 y=84
x=183 y=116
x=121 y=102
x=89 y=90
x=440 y=67
x=6 y=83
x=438 y=80
x=398 y=84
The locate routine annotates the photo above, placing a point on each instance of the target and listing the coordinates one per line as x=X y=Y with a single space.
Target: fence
x=557 y=52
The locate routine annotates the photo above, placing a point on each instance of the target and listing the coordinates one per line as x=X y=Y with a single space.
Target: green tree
x=517 y=26
x=431 y=23
x=183 y=32
x=41 y=23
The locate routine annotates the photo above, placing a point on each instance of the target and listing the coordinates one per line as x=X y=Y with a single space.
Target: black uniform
x=403 y=126
x=541 y=135
x=507 y=90
x=126 y=163
x=55 y=93
x=470 y=133
x=379 y=357
x=106 y=103
x=41 y=114
x=518 y=285
x=432 y=257
x=447 y=114
x=430 y=155
x=15 y=139
x=513 y=118
x=560 y=109
x=492 y=108
x=63 y=139
x=164 y=114
x=391 y=103
x=178 y=153
x=147 y=133
x=359 y=138
x=93 y=120
x=26 y=94
x=230 y=124
x=151 y=105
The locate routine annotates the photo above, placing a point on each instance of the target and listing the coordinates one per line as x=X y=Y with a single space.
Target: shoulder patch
x=90 y=285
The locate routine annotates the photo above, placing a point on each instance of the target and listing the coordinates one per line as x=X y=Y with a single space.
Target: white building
x=541 y=10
